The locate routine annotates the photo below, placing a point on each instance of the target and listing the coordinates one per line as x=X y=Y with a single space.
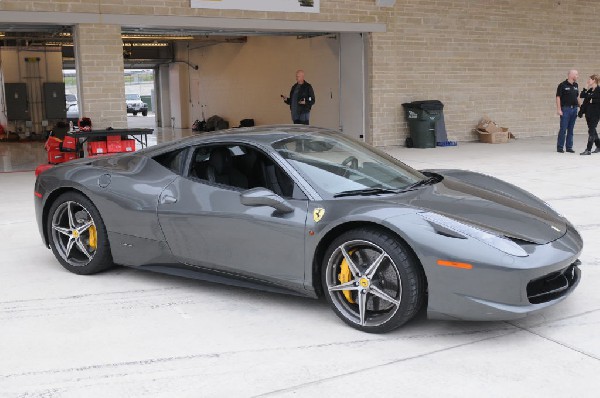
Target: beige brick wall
x=99 y=53
x=501 y=58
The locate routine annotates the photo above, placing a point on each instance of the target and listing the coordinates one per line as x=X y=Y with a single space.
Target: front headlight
x=498 y=242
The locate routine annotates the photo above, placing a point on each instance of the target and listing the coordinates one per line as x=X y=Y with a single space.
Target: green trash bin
x=422 y=117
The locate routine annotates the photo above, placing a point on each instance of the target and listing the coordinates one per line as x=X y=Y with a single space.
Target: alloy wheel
x=364 y=283
x=74 y=233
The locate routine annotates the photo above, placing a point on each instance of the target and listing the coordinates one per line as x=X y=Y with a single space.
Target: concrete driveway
x=125 y=333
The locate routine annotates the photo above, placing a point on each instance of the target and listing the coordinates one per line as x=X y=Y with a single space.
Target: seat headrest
x=219 y=159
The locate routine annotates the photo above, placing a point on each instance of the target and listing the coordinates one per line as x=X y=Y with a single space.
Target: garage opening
x=239 y=77
x=198 y=74
x=139 y=98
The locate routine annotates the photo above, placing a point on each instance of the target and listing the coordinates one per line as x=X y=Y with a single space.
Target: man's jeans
x=302 y=118
x=567 y=123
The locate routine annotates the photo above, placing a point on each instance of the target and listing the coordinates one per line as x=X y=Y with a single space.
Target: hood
x=489 y=210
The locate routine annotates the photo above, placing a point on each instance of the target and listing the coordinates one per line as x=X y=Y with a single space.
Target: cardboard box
x=499 y=137
x=488 y=125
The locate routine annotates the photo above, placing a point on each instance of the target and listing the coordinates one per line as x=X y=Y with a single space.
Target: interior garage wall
x=3 y=120
x=239 y=81
x=14 y=70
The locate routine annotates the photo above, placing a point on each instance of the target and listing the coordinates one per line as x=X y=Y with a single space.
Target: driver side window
x=241 y=167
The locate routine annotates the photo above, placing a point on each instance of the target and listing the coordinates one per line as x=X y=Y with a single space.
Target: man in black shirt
x=567 y=102
x=301 y=99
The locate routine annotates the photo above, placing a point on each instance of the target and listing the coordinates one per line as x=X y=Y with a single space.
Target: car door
x=207 y=226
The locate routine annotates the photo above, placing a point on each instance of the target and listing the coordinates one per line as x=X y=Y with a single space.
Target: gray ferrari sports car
x=307 y=211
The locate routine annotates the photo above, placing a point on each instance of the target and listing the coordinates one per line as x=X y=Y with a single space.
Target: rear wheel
x=77 y=235
x=372 y=281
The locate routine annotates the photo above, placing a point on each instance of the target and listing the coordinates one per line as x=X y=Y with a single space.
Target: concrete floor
x=126 y=333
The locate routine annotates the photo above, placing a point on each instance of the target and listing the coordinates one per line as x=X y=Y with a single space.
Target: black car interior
x=241 y=167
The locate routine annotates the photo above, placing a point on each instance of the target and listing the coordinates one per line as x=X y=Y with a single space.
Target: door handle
x=167 y=200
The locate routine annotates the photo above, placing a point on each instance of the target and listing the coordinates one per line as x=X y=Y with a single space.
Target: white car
x=73 y=112
x=71 y=99
x=135 y=105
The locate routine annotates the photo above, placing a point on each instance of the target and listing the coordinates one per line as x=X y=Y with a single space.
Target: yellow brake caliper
x=93 y=241
x=345 y=276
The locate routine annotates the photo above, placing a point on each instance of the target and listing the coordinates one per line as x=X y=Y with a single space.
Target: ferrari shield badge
x=318 y=214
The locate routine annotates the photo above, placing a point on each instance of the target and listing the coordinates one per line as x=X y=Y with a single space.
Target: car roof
x=262 y=135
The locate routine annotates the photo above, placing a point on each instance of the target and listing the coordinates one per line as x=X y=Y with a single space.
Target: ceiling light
x=146 y=44
x=58 y=43
x=156 y=37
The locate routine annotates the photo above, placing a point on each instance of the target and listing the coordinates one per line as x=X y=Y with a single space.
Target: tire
x=145 y=113
x=393 y=290
x=134 y=113
x=72 y=212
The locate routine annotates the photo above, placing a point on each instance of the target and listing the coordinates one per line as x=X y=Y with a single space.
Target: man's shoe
x=570 y=151
x=560 y=150
x=586 y=152
x=596 y=150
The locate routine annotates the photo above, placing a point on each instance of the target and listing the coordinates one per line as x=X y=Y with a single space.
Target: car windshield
x=132 y=97
x=338 y=166
x=70 y=97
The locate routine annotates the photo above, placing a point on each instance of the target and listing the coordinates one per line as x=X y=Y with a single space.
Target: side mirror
x=264 y=197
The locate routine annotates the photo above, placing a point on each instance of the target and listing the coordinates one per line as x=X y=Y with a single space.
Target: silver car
x=303 y=210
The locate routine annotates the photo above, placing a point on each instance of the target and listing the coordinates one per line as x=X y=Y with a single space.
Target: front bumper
x=510 y=288
x=136 y=107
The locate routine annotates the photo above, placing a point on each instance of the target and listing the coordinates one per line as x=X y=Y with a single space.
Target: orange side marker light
x=445 y=263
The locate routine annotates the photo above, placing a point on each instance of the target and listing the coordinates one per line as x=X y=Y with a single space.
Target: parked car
x=70 y=99
x=135 y=105
x=73 y=112
x=307 y=211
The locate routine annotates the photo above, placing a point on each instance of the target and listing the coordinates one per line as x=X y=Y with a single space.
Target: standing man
x=301 y=99
x=567 y=102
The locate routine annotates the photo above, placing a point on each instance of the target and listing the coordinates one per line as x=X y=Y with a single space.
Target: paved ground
x=141 y=122
x=125 y=333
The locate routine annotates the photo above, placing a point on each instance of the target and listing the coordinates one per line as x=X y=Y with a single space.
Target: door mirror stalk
x=264 y=197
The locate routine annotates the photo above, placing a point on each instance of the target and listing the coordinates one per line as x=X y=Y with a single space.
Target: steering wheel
x=351 y=162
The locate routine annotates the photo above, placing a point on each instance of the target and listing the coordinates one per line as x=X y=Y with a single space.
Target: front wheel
x=77 y=235
x=372 y=280
x=134 y=113
x=144 y=113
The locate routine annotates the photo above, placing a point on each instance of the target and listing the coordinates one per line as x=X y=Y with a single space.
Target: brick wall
x=501 y=58
x=99 y=52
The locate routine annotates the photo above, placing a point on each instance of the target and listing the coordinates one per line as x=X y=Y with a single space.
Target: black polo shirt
x=568 y=93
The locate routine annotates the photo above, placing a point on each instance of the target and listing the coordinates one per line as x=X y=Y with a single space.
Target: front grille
x=553 y=285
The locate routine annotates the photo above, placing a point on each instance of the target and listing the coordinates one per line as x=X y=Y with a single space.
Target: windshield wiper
x=426 y=181
x=365 y=192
